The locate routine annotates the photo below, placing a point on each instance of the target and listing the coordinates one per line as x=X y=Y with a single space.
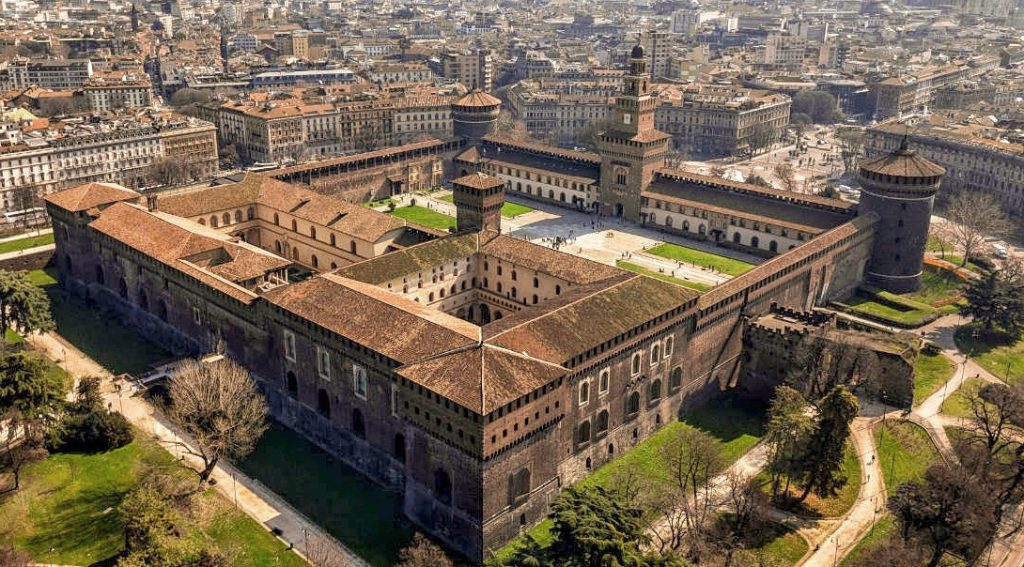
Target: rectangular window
x=323 y=362
x=359 y=381
x=289 y=345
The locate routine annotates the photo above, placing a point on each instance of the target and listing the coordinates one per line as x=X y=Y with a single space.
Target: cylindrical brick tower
x=900 y=188
x=475 y=115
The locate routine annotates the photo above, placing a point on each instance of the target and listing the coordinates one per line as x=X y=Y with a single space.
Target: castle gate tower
x=900 y=188
x=478 y=200
x=632 y=149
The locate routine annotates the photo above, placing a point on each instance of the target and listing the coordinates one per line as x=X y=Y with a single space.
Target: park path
x=248 y=494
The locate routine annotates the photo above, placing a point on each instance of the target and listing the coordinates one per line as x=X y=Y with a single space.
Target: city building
x=474 y=68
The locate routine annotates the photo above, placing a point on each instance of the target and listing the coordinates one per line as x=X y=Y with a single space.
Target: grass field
x=737 y=427
x=930 y=374
x=905 y=452
x=937 y=286
x=699 y=258
x=958 y=404
x=115 y=346
x=1002 y=357
x=66 y=510
x=663 y=277
x=26 y=243
x=509 y=210
x=838 y=504
x=424 y=216
x=362 y=515
x=875 y=538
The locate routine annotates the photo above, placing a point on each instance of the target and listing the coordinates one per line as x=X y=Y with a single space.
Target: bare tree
x=320 y=552
x=851 y=144
x=423 y=553
x=787 y=175
x=23 y=445
x=974 y=216
x=693 y=458
x=218 y=405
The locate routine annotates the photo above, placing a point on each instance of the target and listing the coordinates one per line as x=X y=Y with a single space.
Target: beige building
x=474 y=69
x=109 y=95
x=898 y=96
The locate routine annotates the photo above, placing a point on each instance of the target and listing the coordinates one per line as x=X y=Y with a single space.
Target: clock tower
x=632 y=149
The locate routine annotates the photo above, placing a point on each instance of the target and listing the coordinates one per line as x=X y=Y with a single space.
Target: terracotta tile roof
x=478 y=181
x=414 y=259
x=477 y=98
x=256 y=189
x=90 y=195
x=902 y=163
x=571 y=268
x=482 y=378
x=543 y=149
x=394 y=326
x=566 y=331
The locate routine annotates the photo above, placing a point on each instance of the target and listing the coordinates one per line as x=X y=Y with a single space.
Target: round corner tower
x=900 y=188
x=475 y=115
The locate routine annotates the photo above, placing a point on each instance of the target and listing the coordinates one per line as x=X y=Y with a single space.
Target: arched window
x=635 y=366
x=358 y=425
x=754 y=241
x=443 y=486
x=668 y=221
x=334 y=240
x=399 y=449
x=122 y=288
x=655 y=354
x=736 y=237
x=202 y=222
x=293 y=384
x=225 y=219
x=670 y=343
x=277 y=219
x=499 y=287
x=551 y=193
x=430 y=297
x=602 y=423
x=534 y=299
x=558 y=290
x=536 y=282
x=238 y=216
x=584 y=396
x=773 y=246
x=652 y=218
x=583 y=433
x=513 y=290
x=499 y=270
x=603 y=381
x=213 y=221
x=655 y=392
x=352 y=247
x=633 y=404
x=100 y=279
x=315 y=261
x=676 y=380
x=312 y=232
x=462 y=286
x=334 y=265
x=686 y=225
x=250 y=214
x=323 y=403
x=277 y=246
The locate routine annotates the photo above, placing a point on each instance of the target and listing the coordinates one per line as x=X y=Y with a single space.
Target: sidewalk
x=246 y=493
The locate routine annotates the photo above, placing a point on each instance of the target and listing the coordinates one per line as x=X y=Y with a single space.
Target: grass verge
x=722 y=264
x=837 y=505
x=993 y=351
x=930 y=373
x=659 y=276
x=424 y=216
x=26 y=243
x=905 y=452
x=874 y=539
x=958 y=403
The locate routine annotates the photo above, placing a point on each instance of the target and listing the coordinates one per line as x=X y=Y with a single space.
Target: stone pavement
x=246 y=493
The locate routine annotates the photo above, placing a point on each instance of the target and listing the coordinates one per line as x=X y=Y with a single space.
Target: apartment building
x=56 y=74
x=106 y=95
x=902 y=95
x=474 y=68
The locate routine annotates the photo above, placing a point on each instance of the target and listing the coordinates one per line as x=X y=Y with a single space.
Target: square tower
x=478 y=200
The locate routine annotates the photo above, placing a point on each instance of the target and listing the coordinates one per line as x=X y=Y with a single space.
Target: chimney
x=151 y=202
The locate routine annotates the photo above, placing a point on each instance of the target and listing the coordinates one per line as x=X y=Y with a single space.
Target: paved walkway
x=27 y=251
x=28 y=234
x=248 y=494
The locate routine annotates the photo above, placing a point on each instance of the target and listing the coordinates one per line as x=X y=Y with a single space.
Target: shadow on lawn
x=976 y=341
x=728 y=417
x=67 y=527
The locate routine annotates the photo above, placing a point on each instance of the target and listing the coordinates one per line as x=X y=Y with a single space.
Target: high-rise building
x=474 y=69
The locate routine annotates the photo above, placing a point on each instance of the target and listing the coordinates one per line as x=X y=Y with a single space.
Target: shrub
x=95 y=431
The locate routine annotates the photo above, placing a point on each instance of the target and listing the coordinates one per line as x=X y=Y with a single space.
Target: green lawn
x=115 y=346
x=509 y=210
x=26 y=243
x=937 y=286
x=737 y=426
x=663 y=277
x=1002 y=357
x=426 y=217
x=784 y=550
x=362 y=515
x=905 y=452
x=66 y=510
x=930 y=374
x=891 y=309
x=836 y=505
x=699 y=258
x=958 y=404
x=875 y=538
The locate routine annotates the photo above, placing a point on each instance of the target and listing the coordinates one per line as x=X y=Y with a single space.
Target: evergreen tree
x=789 y=428
x=996 y=300
x=823 y=460
x=24 y=307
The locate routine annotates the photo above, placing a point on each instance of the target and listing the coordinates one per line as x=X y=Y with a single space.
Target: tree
x=996 y=300
x=820 y=106
x=24 y=307
x=217 y=404
x=693 y=458
x=31 y=397
x=189 y=97
x=823 y=461
x=173 y=170
x=423 y=553
x=997 y=432
x=787 y=433
x=786 y=174
x=799 y=122
x=948 y=511
x=851 y=144
x=320 y=552
x=974 y=216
